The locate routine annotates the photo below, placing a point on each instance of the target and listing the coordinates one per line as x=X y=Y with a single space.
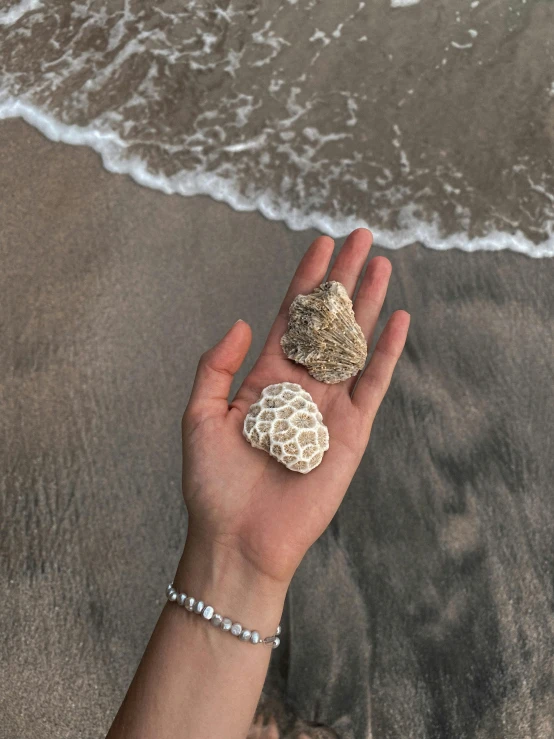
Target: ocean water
x=426 y=120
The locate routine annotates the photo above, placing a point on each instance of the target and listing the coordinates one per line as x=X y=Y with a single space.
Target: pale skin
x=251 y=520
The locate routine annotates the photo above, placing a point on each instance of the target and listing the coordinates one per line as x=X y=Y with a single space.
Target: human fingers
x=351 y=259
x=210 y=391
x=376 y=377
x=371 y=295
x=370 y=298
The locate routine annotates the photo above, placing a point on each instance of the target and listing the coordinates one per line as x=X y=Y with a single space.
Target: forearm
x=195 y=680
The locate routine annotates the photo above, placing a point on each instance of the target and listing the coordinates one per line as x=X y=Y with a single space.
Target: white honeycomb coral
x=286 y=423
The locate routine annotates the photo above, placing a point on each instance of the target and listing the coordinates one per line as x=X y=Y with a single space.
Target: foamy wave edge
x=111 y=149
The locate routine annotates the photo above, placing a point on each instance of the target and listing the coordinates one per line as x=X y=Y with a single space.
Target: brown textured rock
x=323 y=334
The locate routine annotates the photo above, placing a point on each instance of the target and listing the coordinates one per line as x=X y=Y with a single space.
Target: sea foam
x=411 y=229
x=403 y=3
x=266 y=137
x=13 y=14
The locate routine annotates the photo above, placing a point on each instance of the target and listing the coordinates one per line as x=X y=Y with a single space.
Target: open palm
x=240 y=497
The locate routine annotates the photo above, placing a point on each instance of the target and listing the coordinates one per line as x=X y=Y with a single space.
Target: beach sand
x=427 y=608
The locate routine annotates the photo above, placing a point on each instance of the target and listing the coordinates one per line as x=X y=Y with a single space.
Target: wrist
x=224 y=579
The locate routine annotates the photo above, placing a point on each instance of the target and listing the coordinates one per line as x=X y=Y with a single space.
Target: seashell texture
x=323 y=334
x=286 y=423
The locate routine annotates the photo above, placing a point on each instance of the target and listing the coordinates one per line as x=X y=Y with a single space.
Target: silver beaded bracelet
x=224 y=623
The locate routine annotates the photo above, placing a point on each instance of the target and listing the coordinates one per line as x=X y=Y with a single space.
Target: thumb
x=216 y=370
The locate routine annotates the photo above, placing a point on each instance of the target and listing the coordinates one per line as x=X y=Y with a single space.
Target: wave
x=208 y=101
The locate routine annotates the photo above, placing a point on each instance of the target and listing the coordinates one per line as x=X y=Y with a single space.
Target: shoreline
x=413 y=230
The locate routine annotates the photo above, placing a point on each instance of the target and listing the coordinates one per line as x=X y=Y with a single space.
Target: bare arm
x=250 y=519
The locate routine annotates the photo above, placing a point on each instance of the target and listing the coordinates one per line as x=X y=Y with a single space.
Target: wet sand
x=427 y=608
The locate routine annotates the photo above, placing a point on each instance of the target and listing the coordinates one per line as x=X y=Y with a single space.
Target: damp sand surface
x=424 y=611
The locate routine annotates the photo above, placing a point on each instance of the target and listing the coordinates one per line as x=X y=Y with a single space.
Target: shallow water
x=429 y=121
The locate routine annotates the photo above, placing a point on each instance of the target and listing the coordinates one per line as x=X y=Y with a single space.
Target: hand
x=240 y=499
x=251 y=519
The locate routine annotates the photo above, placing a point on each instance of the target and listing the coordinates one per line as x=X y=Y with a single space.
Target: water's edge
x=111 y=149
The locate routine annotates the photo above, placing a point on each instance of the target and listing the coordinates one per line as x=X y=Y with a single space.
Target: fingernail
x=239 y=321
